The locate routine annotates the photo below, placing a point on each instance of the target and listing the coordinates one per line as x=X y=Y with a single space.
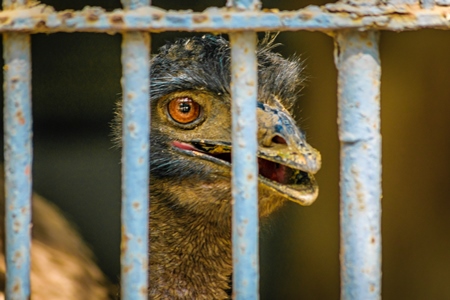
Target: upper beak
x=281 y=141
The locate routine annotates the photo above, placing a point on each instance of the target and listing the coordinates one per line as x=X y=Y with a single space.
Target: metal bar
x=245 y=218
x=244 y=86
x=135 y=161
x=330 y=17
x=18 y=160
x=358 y=64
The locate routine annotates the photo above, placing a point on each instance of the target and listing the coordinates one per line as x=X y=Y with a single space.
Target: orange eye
x=184 y=110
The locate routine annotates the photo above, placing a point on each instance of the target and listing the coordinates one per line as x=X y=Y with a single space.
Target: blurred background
x=76 y=82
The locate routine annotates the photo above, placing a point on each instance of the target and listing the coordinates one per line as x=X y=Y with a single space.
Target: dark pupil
x=185 y=107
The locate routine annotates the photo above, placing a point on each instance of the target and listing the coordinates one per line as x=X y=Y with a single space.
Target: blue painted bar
x=135 y=162
x=18 y=160
x=358 y=63
x=244 y=88
x=326 y=18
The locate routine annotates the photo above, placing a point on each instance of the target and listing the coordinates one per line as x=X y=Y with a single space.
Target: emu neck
x=190 y=256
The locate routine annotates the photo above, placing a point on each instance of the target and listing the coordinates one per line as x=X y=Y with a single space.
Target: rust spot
x=305 y=16
x=227 y=16
x=131 y=127
x=4 y=19
x=250 y=176
x=372 y=288
x=143 y=291
x=136 y=205
x=14 y=80
x=124 y=242
x=20 y=117
x=17 y=225
x=199 y=18
x=16 y=287
x=116 y=19
x=41 y=24
x=126 y=269
x=92 y=17
x=27 y=170
x=17 y=255
x=67 y=15
x=364 y=35
x=360 y=195
x=372 y=240
x=157 y=17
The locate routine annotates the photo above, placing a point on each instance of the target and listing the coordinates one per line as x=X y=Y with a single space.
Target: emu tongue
x=268 y=169
x=273 y=171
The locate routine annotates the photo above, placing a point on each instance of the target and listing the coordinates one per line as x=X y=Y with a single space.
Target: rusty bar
x=244 y=168
x=358 y=63
x=135 y=161
x=18 y=159
x=332 y=16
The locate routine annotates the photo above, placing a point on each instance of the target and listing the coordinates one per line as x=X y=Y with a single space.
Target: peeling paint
x=359 y=70
x=135 y=154
x=330 y=17
x=18 y=157
x=245 y=166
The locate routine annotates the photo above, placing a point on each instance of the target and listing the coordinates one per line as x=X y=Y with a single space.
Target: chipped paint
x=330 y=17
x=135 y=159
x=18 y=160
x=358 y=64
x=245 y=166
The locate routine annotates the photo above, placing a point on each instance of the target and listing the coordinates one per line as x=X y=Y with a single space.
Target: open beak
x=292 y=160
x=286 y=162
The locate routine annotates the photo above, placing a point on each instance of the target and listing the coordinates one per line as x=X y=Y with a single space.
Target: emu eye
x=184 y=110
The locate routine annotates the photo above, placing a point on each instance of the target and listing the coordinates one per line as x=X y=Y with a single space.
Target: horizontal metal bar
x=358 y=64
x=335 y=16
x=135 y=165
x=18 y=160
x=244 y=87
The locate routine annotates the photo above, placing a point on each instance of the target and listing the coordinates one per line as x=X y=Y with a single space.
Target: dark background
x=76 y=81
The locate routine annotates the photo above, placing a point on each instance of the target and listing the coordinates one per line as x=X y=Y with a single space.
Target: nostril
x=278 y=140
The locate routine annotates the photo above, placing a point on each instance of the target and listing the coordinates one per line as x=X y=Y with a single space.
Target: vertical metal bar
x=18 y=159
x=358 y=64
x=245 y=223
x=244 y=90
x=135 y=161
